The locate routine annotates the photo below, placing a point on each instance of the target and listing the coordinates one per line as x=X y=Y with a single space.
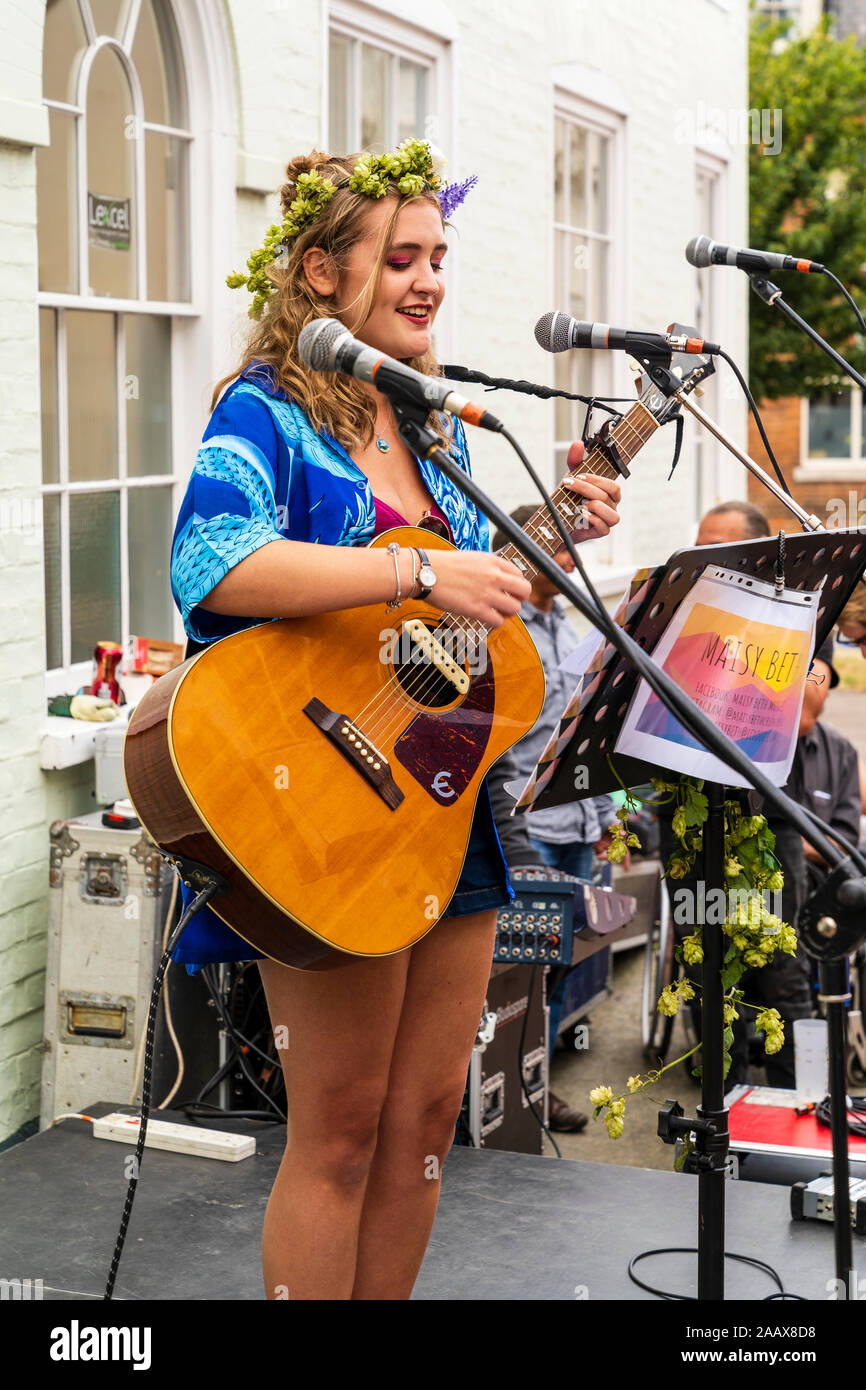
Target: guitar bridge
x=364 y=756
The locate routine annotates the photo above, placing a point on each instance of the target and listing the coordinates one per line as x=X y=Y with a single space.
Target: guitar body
x=331 y=784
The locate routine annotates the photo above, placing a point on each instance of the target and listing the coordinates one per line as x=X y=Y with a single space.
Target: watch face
x=427 y=575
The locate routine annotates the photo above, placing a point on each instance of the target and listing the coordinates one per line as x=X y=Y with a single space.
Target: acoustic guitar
x=328 y=767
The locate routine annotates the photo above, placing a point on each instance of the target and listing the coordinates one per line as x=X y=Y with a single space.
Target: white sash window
x=114 y=277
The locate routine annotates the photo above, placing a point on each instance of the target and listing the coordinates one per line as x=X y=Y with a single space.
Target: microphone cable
x=539 y=1121
x=452 y=372
x=838 y=283
x=855 y=1113
x=757 y=414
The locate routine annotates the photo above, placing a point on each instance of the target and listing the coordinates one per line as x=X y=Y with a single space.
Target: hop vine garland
x=410 y=167
x=755 y=934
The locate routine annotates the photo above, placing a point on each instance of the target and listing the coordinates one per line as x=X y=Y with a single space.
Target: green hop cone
x=788 y=940
x=601 y=1095
x=615 y=1125
x=693 y=951
x=668 y=1003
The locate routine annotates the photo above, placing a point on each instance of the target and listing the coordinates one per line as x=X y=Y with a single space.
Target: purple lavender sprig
x=453 y=194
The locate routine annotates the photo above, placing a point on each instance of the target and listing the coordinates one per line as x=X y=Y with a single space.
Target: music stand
x=585 y=739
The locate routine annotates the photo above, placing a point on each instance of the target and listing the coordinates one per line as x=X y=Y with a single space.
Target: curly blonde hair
x=330 y=401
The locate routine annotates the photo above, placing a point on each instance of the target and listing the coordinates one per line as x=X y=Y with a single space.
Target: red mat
x=782 y=1128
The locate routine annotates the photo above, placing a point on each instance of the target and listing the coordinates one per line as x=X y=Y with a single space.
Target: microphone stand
x=844 y=893
x=771 y=294
x=807 y=520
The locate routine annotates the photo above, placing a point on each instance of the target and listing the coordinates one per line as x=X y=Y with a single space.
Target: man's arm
x=513 y=832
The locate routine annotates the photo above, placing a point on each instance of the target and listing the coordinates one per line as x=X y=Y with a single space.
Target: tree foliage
x=808 y=200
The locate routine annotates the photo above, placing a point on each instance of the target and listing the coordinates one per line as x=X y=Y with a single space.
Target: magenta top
x=386 y=517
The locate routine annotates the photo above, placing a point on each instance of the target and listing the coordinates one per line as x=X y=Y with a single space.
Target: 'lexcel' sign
x=108 y=222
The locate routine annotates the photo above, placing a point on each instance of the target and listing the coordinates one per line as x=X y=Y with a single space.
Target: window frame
x=75 y=673
x=716 y=480
x=416 y=36
x=828 y=470
x=611 y=123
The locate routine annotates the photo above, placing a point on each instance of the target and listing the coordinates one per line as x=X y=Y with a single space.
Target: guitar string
x=390 y=706
x=427 y=679
x=425 y=682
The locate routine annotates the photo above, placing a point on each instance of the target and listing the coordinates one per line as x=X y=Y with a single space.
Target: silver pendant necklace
x=382 y=444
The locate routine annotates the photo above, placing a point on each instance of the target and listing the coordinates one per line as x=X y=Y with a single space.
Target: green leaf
x=731 y=973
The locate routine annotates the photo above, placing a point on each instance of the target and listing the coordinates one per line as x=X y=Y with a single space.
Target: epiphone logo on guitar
x=440 y=784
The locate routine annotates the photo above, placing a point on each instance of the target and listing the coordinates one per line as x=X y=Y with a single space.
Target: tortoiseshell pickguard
x=442 y=750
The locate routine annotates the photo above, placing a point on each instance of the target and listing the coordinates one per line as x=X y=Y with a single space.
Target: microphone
x=702 y=251
x=558 y=332
x=326 y=345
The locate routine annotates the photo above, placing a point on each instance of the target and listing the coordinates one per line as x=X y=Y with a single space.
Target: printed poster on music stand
x=742 y=653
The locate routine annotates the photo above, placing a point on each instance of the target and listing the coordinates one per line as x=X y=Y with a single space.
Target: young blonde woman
x=297 y=472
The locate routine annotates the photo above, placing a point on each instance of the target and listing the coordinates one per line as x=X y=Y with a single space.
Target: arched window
x=114 y=276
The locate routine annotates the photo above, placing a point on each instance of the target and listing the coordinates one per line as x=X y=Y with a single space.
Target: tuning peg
x=699 y=390
x=633 y=366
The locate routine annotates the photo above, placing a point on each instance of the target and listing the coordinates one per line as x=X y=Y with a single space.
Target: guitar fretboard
x=628 y=436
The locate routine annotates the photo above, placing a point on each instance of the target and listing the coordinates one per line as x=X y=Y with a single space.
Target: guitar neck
x=628 y=436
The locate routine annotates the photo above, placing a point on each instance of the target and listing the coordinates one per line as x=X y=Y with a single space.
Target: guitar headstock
x=689 y=367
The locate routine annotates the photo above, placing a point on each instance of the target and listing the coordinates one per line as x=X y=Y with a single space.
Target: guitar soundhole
x=419 y=678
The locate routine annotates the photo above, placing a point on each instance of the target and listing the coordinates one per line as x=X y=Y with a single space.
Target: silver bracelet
x=397 y=600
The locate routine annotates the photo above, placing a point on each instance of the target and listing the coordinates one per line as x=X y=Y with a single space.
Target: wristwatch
x=426 y=574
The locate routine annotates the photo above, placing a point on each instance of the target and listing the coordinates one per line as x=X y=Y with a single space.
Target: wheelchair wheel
x=660 y=968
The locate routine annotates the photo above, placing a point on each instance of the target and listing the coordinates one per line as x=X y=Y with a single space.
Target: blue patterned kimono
x=263 y=473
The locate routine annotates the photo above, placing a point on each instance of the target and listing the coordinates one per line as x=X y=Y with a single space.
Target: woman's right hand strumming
x=291 y=579
x=477 y=585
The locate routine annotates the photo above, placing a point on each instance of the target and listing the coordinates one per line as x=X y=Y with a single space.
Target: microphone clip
x=656 y=362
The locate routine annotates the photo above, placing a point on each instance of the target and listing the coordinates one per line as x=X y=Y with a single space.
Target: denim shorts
x=483 y=884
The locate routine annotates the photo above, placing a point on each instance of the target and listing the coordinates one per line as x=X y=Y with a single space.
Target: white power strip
x=181 y=1139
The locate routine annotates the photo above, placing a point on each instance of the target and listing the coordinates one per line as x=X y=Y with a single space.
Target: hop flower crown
x=410 y=167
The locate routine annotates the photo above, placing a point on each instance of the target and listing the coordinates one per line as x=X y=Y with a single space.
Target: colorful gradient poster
x=742 y=655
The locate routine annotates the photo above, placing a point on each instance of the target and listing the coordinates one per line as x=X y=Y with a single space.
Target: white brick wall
x=501 y=113
x=23 y=809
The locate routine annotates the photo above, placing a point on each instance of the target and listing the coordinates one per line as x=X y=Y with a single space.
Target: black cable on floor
x=782 y=1292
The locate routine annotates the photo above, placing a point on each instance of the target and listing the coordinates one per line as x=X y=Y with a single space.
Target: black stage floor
x=510 y=1226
